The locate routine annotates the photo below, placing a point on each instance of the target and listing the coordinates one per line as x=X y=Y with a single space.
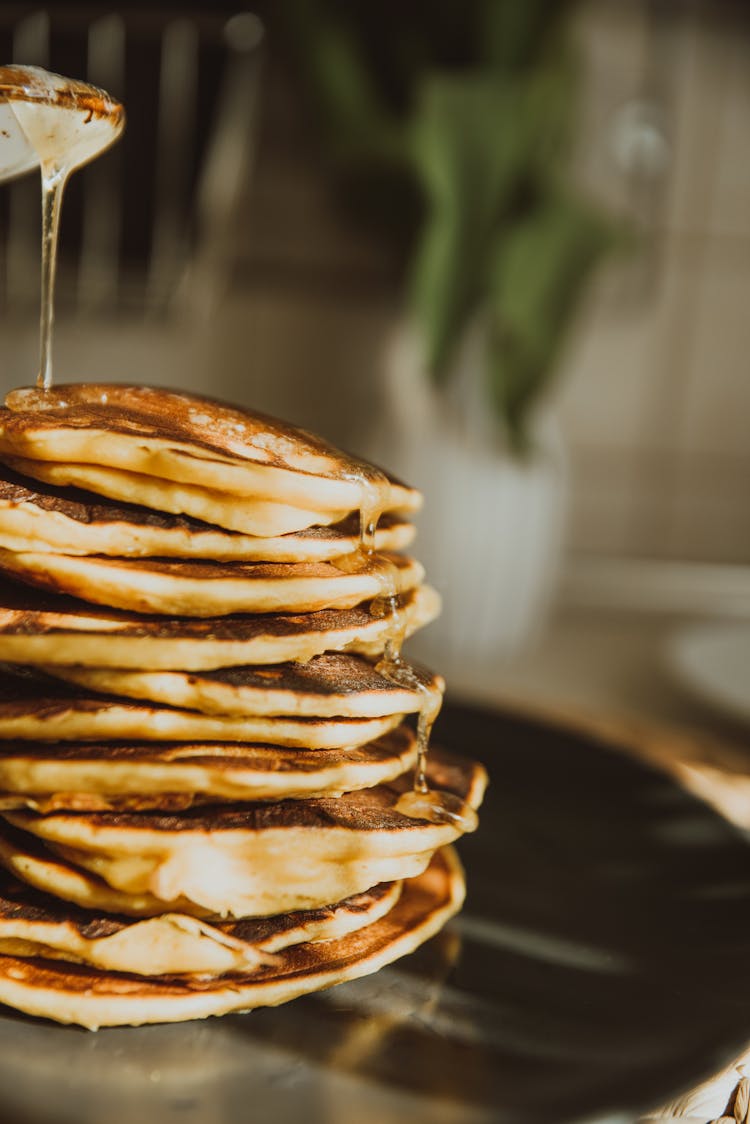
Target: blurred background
x=502 y=248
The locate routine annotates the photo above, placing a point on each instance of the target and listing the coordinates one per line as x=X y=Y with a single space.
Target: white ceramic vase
x=491 y=531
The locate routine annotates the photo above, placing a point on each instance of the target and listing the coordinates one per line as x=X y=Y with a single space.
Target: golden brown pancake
x=27 y=859
x=80 y=994
x=39 y=708
x=222 y=770
x=207 y=589
x=332 y=684
x=34 y=924
x=188 y=439
x=250 y=516
x=39 y=517
x=36 y=629
x=260 y=859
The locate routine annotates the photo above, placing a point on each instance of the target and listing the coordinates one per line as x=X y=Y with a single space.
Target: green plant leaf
x=539 y=267
x=549 y=111
x=452 y=138
x=468 y=153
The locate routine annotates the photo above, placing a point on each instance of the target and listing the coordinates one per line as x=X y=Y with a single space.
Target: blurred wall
x=654 y=392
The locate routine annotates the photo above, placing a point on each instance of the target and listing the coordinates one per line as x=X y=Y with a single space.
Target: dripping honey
x=421 y=802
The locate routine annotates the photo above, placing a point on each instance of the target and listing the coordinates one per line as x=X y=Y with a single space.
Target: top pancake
x=192 y=440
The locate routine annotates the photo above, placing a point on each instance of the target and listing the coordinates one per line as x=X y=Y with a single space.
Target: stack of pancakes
x=202 y=752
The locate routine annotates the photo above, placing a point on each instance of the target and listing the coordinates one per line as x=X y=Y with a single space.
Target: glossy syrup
x=54 y=179
x=421 y=802
x=64 y=124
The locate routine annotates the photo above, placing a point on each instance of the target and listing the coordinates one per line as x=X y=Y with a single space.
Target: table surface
x=599 y=967
x=616 y=666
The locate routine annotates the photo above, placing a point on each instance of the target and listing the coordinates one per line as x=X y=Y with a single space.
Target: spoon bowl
x=52 y=122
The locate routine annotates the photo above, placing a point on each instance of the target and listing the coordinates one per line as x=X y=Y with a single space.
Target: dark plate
x=601 y=965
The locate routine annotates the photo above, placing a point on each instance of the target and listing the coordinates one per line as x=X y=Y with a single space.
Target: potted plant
x=447 y=129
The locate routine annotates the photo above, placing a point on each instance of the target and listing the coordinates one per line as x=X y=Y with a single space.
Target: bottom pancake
x=78 y=994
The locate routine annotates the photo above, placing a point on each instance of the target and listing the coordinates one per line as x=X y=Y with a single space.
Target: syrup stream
x=54 y=180
x=421 y=802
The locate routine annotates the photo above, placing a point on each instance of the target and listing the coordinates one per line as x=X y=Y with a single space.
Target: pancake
x=91 y=998
x=35 y=924
x=190 y=440
x=330 y=685
x=221 y=770
x=32 y=924
x=40 y=709
x=251 y=517
x=38 y=517
x=206 y=589
x=261 y=859
x=64 y=631
x=29 y=860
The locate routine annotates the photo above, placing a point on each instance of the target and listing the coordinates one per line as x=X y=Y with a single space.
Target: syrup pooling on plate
x=63 y=124
x=421 y=802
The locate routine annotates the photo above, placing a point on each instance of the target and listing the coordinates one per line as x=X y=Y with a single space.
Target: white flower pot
x=491 y=531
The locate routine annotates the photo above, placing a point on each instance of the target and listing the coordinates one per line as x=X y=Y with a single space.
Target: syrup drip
x=53 y=184
x=61 y=124
x=421 y=802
